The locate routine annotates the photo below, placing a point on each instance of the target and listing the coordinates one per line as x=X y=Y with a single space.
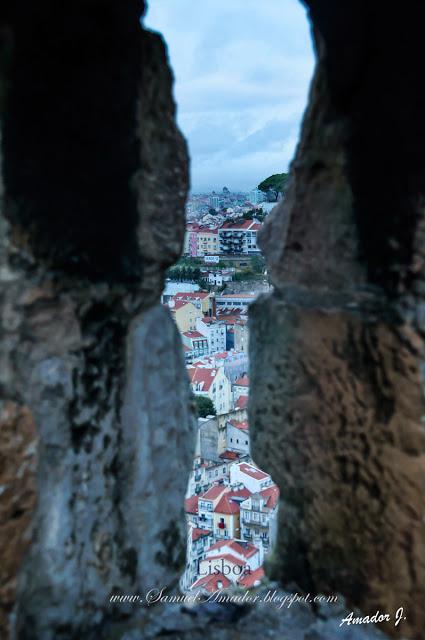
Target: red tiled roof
x=202 y=376
x=193 y=334
x=272 y=495
x=240 y=493
x=199 y=533
x=252 y=579
x=242 y=402
x=210 y=320
x=213 y=492
x=228 y=557
x=243 y=381
x=179 y=304
x=243 y=426
x=211 y=582
x=253 y=472
x=229 y=455
x=227 y=505
x=247 y=550
x=219 y=545
x=243 y=225
x=191 y=505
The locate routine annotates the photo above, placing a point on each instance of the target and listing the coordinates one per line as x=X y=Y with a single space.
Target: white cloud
x=242 y=71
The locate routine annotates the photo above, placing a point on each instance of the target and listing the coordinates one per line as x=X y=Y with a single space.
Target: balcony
x=248 y=518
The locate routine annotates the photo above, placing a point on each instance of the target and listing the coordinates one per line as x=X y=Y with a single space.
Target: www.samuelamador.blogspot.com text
x=271 y=597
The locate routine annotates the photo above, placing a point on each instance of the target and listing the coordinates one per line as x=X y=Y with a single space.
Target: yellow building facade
x=207 y=243
x=185 y=315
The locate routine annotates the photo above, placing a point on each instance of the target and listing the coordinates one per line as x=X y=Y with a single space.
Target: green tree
x=205 y=406
x=257 y=264
x=277 y=182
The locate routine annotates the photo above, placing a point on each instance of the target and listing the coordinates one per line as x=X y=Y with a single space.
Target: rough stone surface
x=95 y=183
x=337 y=349
x=17 y=496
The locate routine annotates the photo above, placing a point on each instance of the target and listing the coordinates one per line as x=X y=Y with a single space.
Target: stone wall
x=337 y=350
x=96 y=176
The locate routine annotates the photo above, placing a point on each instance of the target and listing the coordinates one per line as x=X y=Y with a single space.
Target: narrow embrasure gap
x=231 y=505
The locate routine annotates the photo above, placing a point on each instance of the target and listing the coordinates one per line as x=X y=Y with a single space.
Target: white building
x=258 y=519
x=171 y=288
x=237 y=436
x=213 y=383
x=243 y=550
x=206 y=504
x=215 y=332
x=240 y=387
x=239 y=236
x=252 y=478
x=195 y=345
x=219 y=472
x=198 y=541
x=234 y=301
x=256 y=196
x=241 y=333
x=220 y=276
x=214 y=202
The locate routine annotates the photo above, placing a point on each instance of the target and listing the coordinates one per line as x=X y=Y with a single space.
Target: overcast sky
x=242 y=70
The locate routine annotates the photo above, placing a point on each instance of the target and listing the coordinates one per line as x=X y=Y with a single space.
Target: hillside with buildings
x=231 y=505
